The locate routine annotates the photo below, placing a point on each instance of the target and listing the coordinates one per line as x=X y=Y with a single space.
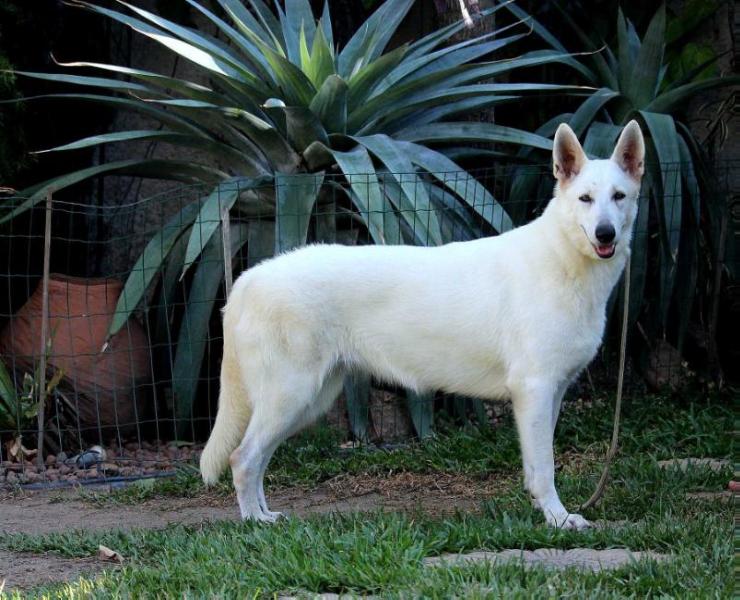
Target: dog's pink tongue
x=605 y=250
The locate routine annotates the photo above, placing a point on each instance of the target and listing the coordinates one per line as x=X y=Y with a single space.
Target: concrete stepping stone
x=724 y=496
x=714 y=464
x=581 y=558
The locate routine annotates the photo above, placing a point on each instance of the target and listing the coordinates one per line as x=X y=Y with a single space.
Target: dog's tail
x=234 y=408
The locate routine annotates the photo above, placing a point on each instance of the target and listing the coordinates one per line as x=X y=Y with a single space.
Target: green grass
x=380 y=553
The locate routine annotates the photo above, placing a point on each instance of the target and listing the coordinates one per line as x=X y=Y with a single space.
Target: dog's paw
x=261 y=517
x=569 y=521
x=271 y=516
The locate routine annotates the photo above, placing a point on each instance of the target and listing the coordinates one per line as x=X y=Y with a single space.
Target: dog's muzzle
x=606 y=246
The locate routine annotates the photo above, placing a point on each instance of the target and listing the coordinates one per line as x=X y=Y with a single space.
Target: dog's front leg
x=533 y=410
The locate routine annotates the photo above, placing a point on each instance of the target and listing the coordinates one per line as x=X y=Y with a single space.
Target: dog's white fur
x=518 y=316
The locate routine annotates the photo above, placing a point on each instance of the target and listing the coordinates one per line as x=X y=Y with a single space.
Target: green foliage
x=18 y=408
x=650 y=79
x=11 y=136
x=9 y=401
x=282 y=99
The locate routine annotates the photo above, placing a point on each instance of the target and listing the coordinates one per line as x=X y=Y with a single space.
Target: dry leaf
x=17 y=451
x=109 y=555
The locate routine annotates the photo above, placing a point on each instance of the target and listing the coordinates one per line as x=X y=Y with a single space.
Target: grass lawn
x=381 y=553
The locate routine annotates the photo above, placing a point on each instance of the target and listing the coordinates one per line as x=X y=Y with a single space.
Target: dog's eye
x=586 y=198
x=618 y=195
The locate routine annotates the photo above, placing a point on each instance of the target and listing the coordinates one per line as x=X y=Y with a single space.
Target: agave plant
x=630 y=82
x=9 y=417
x=285 y=107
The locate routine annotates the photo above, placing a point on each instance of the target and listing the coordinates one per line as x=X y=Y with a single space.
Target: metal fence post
x=226 y=241
x=44 y=333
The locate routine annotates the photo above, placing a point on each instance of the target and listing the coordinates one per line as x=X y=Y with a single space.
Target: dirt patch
x=20 y=571
x=411 y=490
x=45 y=511
x=581 y=558
x=41 y=512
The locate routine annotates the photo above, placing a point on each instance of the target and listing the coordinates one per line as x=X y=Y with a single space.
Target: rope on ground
x=601 y=486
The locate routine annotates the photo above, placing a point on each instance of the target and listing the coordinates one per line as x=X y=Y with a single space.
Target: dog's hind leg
x=323 y=401
x=284 y=407
x=533 y=405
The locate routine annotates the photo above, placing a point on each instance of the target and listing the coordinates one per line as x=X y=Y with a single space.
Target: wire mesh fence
x=123 y=381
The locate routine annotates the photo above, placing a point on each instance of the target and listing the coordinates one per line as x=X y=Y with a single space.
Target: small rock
x=51 y=460
x=91 y=456
x=109 y=468
x=61 y=457
x=11 y=477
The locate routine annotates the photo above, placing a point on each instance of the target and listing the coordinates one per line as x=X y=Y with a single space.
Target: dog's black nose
x=605 y=233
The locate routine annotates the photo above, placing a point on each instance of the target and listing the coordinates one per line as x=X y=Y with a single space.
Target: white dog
x=517 y=315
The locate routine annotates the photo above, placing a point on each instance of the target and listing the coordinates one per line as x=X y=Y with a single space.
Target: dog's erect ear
x=568 y=157
x=630 y=151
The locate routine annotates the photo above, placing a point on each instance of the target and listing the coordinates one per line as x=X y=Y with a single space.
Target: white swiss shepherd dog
x=515 y=316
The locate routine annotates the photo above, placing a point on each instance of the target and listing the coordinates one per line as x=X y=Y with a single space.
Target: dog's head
x=600 y=196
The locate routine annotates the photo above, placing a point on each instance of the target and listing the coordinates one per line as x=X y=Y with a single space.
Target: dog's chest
x=572 y=327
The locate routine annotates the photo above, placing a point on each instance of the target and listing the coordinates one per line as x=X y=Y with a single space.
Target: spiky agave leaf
x=630 y=79
x=280 y=99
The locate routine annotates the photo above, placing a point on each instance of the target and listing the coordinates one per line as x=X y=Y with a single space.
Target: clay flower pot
x=106 y=384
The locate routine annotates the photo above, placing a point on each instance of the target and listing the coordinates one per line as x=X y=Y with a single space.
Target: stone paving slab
x=724 y=496
x=581 y=558
x=682 y=464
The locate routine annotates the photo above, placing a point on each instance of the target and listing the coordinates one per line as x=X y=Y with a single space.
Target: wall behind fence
x=133 y=356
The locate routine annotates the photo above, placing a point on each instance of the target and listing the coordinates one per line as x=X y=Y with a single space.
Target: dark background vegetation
x=35 y=32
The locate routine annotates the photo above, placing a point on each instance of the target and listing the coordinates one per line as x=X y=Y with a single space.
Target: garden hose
x=601 y=486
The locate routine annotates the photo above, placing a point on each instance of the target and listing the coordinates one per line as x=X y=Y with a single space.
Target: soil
x=21 y=571
x=67 y=509
x=49 y=511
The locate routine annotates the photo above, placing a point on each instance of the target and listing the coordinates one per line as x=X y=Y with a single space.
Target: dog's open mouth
x=605 y=251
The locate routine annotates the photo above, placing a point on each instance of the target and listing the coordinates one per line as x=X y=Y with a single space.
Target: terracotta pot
x=106 y=384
